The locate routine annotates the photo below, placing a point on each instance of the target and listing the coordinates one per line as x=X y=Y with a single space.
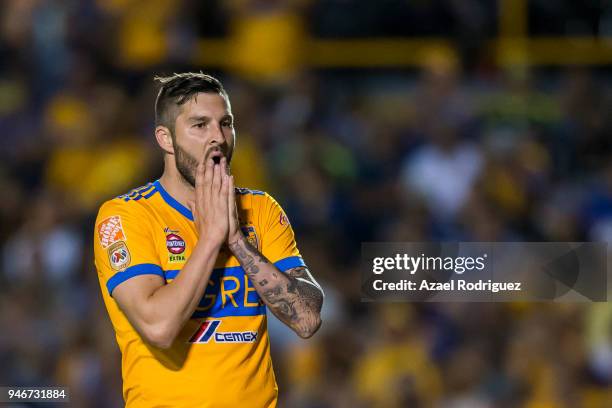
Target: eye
x=199 y=125
x=227 y=123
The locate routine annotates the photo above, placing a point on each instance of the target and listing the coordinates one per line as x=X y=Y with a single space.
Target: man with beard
x=188 y=265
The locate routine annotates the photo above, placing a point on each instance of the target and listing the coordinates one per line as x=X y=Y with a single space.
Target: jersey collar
x=172 y=202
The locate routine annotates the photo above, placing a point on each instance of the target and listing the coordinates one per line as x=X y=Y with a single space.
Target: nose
x=217 y=136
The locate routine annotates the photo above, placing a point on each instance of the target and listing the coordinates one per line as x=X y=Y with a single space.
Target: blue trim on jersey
x=150 y=193
x=136 y=270
x=288 y=263
x=186 y=212
x=232 y=270
x=136 y=194
x=230 y=311
x=139 y=191
x=171 y=274
x=282 y=265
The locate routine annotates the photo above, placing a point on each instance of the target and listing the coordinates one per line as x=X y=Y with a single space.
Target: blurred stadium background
x=383 y=120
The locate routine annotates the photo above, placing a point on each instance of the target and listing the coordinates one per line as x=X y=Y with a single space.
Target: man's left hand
x=234 y=233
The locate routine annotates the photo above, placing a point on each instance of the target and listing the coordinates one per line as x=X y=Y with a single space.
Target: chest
x=176 y=237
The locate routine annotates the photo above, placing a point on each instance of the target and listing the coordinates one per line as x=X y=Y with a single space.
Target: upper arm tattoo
x=304 y=285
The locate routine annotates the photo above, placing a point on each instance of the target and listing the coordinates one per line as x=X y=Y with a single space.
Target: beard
x=186 y=164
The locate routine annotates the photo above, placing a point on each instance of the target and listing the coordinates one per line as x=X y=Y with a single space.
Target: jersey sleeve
x=278 y=240
x=123 y=245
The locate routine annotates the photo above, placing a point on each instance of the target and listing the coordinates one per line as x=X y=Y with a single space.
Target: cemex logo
x=208 y=330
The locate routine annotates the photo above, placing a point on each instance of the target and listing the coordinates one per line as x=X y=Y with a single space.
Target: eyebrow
x=199 y=118
x=195 y=119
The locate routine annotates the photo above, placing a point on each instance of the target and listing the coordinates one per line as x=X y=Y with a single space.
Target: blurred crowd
x=449 y=151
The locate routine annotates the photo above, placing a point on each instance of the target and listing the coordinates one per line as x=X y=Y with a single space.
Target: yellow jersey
x=221 y=357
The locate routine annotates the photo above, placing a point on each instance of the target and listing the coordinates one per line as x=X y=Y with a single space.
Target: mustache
x=216 y=149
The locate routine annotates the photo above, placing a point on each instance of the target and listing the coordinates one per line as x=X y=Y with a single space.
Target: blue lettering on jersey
x=229 y=293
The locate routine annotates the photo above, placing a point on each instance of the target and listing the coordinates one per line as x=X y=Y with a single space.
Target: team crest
x=176 y=246
x=119 y=256
x=110 y=231
x=251 y=235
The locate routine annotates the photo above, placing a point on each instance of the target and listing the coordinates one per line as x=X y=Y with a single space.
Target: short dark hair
x=177 y=89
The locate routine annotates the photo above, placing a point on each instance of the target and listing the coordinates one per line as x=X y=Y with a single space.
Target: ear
x=164 y=139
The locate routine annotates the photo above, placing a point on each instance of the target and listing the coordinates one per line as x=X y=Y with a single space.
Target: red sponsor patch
x=110 y=231
x=175 y=244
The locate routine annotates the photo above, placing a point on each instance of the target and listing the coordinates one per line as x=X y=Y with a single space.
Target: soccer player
x=188 y=266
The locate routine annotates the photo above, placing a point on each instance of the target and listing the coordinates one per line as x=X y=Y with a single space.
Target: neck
x=175 y=185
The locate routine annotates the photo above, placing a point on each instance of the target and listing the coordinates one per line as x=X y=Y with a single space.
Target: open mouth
x=216 y=155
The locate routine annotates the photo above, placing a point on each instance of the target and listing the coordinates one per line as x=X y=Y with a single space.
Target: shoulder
x=142 y=192
x=122 y=216
x=126 y=204
x=255 y=198
x=250 y=198
x=262 y=204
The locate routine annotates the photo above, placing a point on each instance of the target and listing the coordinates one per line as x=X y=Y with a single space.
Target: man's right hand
x=211 y=201
x=158 y=310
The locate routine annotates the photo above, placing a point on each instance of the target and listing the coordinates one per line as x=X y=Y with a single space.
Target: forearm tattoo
x=294 y=297
x=248 y=257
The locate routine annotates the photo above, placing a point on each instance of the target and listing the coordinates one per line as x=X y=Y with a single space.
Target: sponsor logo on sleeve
x=119 y=256
x=110 y=231
x=283 y=220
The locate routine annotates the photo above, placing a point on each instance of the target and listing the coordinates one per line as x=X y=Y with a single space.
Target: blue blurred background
x=368 y=121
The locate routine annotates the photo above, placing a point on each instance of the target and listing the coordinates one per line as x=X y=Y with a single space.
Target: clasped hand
x=214 y=210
